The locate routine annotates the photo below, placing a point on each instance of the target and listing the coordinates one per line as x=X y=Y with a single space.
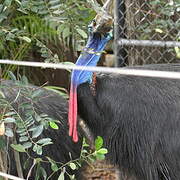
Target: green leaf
x=12 y=76
x=18 y=2
x=92 y=159
x=159 y=30
x=177 y=50
x=2 y=143
x=54 y=167
x=7 y=2
x=10 y=113
x=18 y=147
x=9 y=120
x=25 y=38
x=61 y=177
x=53 y=125
x=44 y=141
x=38 y=118
x=32 y=129
x=72 y=177
x=82 y=33
x=23 y=134
x=10 y=37
x=2 y=94
x=66 y=32
x=37 y=131
x=21 y=130
x=39 y=150
x=38 y=160
x=24 y=80
x=27 y=145
x=98 y=143
x=36 y=93
x=25 y=105
x=100 y=156
x=23 y=138
x=43 y=172
x=84 y=143
x=60 y=28
x=102 y=151
x=73 y=166
x=9 y=132
x=35 y=147
x=59 y=90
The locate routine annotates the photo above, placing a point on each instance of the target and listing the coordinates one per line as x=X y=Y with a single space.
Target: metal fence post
x=119 y=32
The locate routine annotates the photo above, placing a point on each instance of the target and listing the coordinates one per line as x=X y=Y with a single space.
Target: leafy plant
x=51 y=28
x=30 y=127
x=87 y=155
x=27 y=125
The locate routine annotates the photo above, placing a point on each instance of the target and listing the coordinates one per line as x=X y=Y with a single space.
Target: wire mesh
x=147 y=20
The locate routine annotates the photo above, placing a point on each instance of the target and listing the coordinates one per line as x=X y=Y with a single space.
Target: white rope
x=10 y=176
x=123 y=71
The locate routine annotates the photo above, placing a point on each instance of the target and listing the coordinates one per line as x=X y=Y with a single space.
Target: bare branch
x=17 y=160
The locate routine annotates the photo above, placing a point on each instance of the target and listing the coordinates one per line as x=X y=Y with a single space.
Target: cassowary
x=138 y=117
x=52 y=104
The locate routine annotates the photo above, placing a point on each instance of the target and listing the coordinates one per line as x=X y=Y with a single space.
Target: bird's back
x=138 y=117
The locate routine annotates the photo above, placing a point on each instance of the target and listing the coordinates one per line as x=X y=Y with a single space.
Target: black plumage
x=54 y=106
x=139 y=120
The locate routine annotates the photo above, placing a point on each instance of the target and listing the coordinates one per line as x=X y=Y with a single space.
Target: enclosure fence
x=146 y=32
x=142 y=29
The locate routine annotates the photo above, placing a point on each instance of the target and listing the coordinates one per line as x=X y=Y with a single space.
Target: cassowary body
x=138 y=118
x=55 y=107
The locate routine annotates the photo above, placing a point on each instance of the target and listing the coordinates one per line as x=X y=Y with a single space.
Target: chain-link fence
x=147 y=20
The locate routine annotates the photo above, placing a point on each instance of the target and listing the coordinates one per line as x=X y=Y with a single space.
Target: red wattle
x=72 y=115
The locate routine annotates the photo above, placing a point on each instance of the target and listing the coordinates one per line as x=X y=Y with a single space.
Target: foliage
x=31 y=125
x=27 y=129
x=87 y=155
x=53 y=27
x=163 y=21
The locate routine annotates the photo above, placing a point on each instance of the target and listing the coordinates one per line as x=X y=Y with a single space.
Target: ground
x=100 y=170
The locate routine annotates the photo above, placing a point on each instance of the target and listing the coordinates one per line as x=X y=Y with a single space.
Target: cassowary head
x=89 y=57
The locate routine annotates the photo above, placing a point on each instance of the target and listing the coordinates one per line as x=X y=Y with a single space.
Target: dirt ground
x=100 y=170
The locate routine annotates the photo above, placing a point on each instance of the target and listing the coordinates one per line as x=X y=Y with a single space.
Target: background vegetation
x=49 y=31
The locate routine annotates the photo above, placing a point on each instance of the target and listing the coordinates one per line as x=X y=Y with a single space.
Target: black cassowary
x=55 y=107
x=138 y=117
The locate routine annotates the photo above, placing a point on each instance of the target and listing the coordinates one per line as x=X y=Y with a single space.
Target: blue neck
x=89 y=57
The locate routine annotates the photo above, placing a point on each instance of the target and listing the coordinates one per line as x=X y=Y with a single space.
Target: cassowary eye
x=94 y=22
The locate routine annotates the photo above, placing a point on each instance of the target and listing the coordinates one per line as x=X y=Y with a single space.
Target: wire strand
x=150 y=43
x=10 y=176
x=123 y=71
